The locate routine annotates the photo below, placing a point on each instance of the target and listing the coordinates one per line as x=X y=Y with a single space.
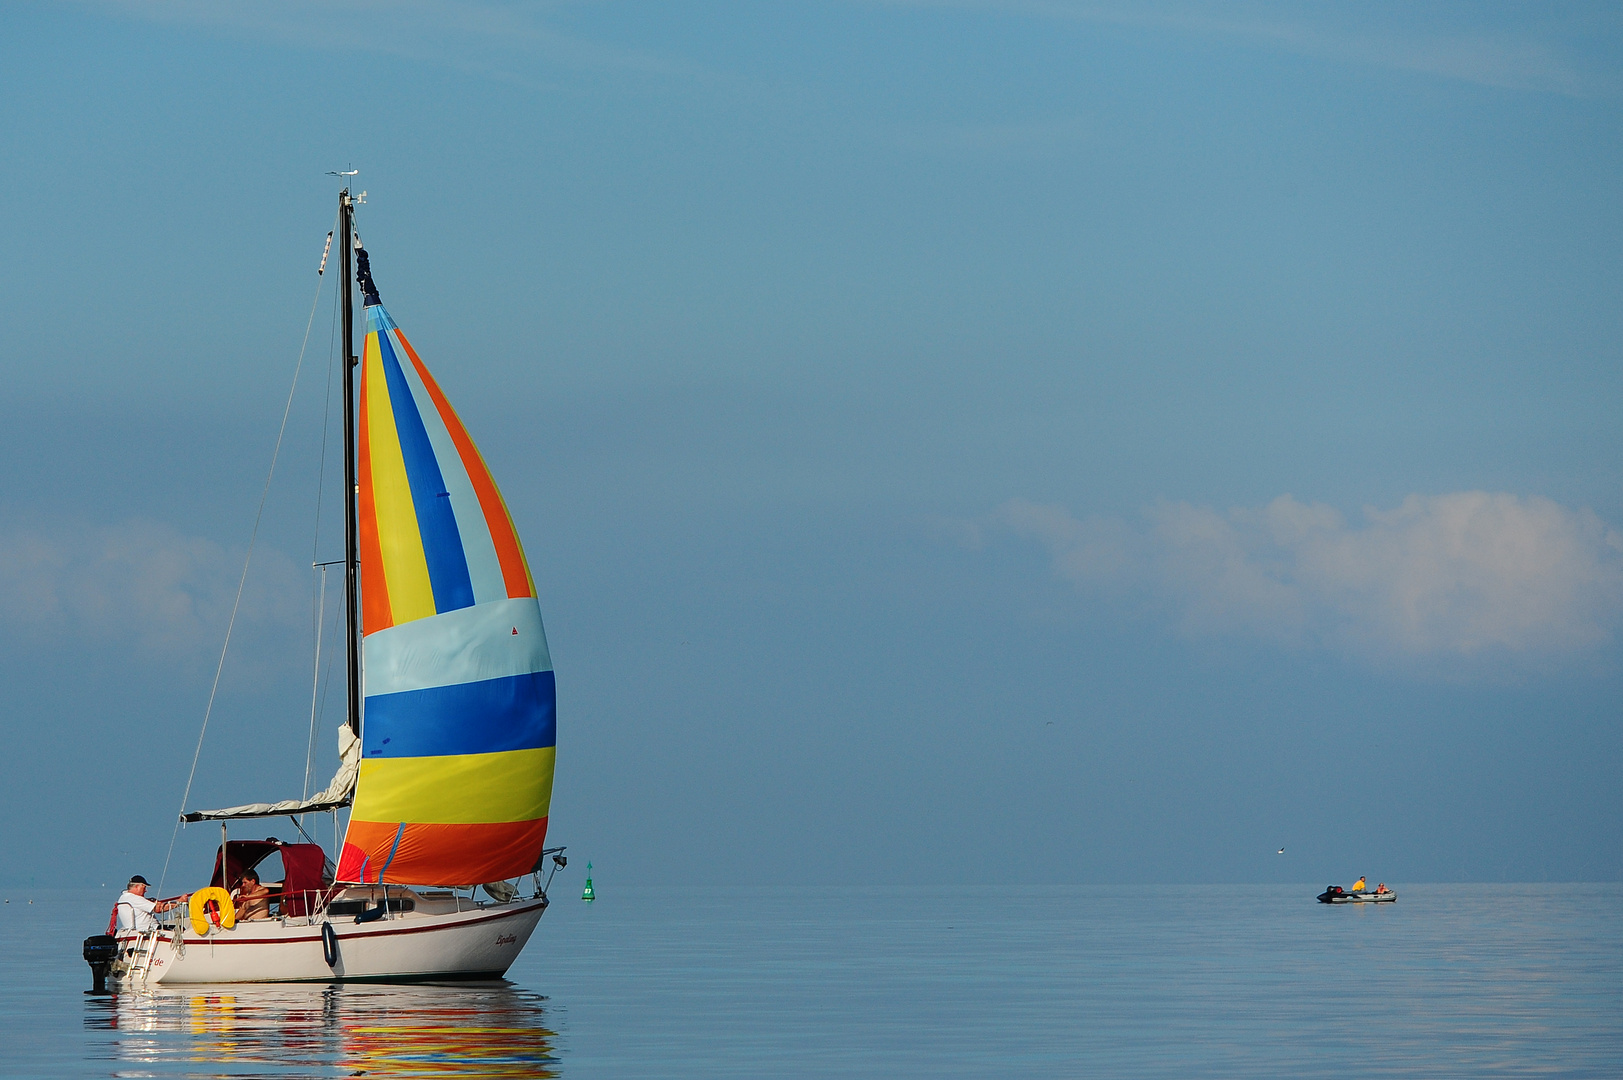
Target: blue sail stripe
x=442 y=542
x=517 y=712
x=478 y=549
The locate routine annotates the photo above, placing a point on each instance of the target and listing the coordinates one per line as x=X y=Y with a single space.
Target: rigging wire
x=253 y=535
x=326 y=427
x=326 y=677
x=318 y=699
x=315 y=685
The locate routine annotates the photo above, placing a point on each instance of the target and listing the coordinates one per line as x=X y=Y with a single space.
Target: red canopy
x=304 y=866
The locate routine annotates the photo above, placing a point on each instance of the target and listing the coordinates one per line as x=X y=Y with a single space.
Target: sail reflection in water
x=471 y=1030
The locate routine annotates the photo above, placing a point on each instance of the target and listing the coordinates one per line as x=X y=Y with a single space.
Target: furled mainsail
x=337 y=794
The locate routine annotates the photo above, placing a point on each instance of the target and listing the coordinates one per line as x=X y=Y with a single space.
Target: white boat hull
x=477 y=942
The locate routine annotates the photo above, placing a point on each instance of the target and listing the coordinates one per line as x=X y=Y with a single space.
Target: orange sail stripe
x=430 y=854
x=375 y=611
x=515 y=569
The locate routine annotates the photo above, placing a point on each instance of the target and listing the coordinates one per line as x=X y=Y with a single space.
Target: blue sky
x=1069 y=442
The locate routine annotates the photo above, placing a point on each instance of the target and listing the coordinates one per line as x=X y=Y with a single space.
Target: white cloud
x=1537 y=58
x=505 y=39
x=1468 y=574
x=138 y=584
x=1035 y=136
x=496 y=39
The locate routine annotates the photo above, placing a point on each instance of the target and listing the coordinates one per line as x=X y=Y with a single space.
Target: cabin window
x=355 y=907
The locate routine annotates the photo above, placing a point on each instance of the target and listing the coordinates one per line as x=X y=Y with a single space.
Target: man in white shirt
x=136 y=912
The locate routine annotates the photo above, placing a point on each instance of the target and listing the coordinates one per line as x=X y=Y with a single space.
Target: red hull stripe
x=432 y=854
x=350 y=935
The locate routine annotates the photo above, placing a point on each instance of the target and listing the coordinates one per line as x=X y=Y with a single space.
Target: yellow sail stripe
x=405 y=568
x=457 y=789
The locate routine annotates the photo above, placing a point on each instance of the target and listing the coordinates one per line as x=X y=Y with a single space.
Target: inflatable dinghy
x=1335 y=894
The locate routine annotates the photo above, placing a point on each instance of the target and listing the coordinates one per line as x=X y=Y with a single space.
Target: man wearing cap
x=135 y=911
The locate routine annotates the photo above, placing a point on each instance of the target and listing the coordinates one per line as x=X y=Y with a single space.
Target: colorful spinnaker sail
x=458 y=727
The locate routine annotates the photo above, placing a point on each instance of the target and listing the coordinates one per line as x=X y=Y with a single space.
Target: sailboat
x=450 y=735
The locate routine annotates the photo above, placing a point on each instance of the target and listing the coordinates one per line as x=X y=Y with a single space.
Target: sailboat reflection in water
x=450 y=738
x=472 y=1030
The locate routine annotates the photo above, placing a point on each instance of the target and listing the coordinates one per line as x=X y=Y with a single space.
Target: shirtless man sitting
x=253 y=899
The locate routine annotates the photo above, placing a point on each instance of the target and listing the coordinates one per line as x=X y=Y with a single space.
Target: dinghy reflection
x=473 y=1030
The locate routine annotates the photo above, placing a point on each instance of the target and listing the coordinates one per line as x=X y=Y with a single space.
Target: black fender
x=329 y=944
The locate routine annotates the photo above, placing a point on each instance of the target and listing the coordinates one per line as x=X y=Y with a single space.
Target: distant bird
x=1282 y=851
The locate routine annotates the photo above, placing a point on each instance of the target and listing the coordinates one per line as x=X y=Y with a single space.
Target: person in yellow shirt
x=1357 y=886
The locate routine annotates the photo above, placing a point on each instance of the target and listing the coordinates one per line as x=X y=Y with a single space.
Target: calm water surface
x=1037 y=982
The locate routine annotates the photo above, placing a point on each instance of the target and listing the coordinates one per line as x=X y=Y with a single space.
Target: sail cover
x=458 y=729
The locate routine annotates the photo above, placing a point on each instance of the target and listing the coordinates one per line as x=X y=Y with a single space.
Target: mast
x=346 y=213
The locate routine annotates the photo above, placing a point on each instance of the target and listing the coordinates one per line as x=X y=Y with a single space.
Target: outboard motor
x=1330 y=893
x=100 y=952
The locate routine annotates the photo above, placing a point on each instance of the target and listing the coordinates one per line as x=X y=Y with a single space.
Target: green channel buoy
x=587 y=894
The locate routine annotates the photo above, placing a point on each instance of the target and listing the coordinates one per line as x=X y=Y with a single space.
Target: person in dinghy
x=1358 y=893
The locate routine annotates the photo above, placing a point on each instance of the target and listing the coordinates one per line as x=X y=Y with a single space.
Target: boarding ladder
x=146 y=946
